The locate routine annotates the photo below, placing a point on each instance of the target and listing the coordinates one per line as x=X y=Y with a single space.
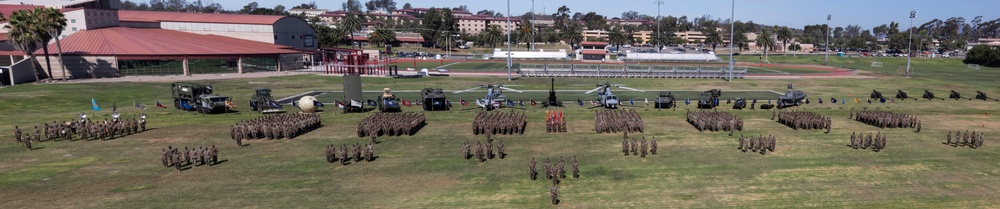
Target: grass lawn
x=693 y=170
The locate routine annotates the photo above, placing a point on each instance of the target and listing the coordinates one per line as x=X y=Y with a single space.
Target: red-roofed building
x=275 y=29
x=476 y=24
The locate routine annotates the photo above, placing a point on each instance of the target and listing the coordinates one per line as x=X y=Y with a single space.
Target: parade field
x=693 y=169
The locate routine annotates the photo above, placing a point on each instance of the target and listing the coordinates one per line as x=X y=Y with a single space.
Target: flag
x=768 y=101
x=592 y=102
x=372 y=103
x=630 y=102
x=688 y=101
x=340 y=104
x=647 y=101
x=160 y=105
x=93 y=105
x=891 y=100
x=317 y=103
x=833 y=100
x=114 y=106
x=807 y=101
x=510 y=103
x=754 y=101
x=532 y=101
x=139 y=105
x=463 y=102
x=843 y=100
x=520 y=102
x=580 y=102
x=230 y=104
x=446 y=102
x=406 y=103
x=869 y=100
x=882 y=100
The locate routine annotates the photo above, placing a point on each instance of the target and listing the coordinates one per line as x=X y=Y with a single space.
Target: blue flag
x=372 y=103
x=93 y=105
x=317 y=103
x=843 y=101
x=807 y=101
x=687 y=102
x=579 y=102
x=768 y=101
x=882 y=99
x=520 y=102
x=446 y=102
x=510 y=103
x=630 y=102
x=821 y=100
x=755 y=100
x=833 y=100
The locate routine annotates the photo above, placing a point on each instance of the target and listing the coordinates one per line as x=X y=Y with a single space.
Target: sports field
x=693 y=170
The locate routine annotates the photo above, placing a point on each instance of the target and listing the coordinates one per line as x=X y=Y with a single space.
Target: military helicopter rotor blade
x=469 y=89
x=593 y=90
x=510 y=89
x=633 y=89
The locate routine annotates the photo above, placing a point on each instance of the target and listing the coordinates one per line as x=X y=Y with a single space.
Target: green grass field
x=693 y=170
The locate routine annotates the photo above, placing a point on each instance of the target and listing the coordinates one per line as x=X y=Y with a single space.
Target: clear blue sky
x=794 y=13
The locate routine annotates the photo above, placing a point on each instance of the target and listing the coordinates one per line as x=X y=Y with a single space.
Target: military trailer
x=434 y=99
x=197 y=96
x=262 y=102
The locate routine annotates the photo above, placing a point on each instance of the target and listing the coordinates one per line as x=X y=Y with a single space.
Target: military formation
x=969 y=140
x=391 y=124
x=344 y=154
x=556 y=172
x=177 y=158
x=554 y=121
x=638 y=147
x=715 y=121
x=759 y=144
x=483 y=151
x=84 y=128
x=885 y=119
x=496 y=122
x=281 y=126
x=803 y=120
x=615 y=121
x=875 y=142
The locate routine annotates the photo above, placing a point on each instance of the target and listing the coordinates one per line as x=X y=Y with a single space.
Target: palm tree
x=525 y=32
x=53 y=22
x=382 y=36
x=740 y=41
x=617 y=37
x=351 y=24
x=784 y=34
x=765 y=42
x=573 y=34
x=492 y=36
x=24 y=36
x=713 y=39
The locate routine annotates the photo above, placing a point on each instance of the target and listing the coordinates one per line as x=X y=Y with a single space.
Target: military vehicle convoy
x=262 y=102
x=434 y=99
x=198 y=96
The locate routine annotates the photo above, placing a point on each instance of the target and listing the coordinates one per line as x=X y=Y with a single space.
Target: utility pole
x=508 y=41
x=913 y=14
x=826 y=61
x=732 y=35
x=658 y=19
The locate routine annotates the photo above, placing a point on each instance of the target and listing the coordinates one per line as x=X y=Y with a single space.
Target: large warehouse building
x=102 y=41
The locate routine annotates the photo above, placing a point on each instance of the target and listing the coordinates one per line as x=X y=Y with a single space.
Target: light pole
x=732 y=21
x=826 y=61
x=658 y=19
x=913 y=14
x=532 y=25
x=508 y=41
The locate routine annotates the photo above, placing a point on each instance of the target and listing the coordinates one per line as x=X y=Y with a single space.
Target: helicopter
x=792 y=98
x=607 y=99
x=494 y=96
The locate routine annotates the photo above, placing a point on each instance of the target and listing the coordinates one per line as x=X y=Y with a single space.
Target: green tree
x=382 y=36
x=350 y=24
x=794 y=48
x=617 y=37
x=53 y=23
x=438 y=24
x=784 y=34
x=713 y=39
x=492 y=36
x=573 y=34
x=983 y=55
x=24 y=36
x=765 y=41
x=525 y=32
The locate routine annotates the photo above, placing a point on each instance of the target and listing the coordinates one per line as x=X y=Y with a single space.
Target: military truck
x=197 y=96
x=434 y=99
x=709 y=99
x=262 y=102
x=387 y=102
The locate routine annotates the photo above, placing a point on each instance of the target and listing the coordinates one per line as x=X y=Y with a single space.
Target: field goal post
x=901 y=70
x=876 y=64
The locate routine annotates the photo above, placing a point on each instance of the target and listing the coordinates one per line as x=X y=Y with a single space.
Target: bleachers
x=627 y=71
x=663 y=57
x=531 y=55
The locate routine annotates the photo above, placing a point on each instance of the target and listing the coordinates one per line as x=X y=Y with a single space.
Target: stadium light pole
x=913 y=15
x=508 y=41
x=826 y=61
x=732 y=33
x=532 y=24
x=658 y=19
